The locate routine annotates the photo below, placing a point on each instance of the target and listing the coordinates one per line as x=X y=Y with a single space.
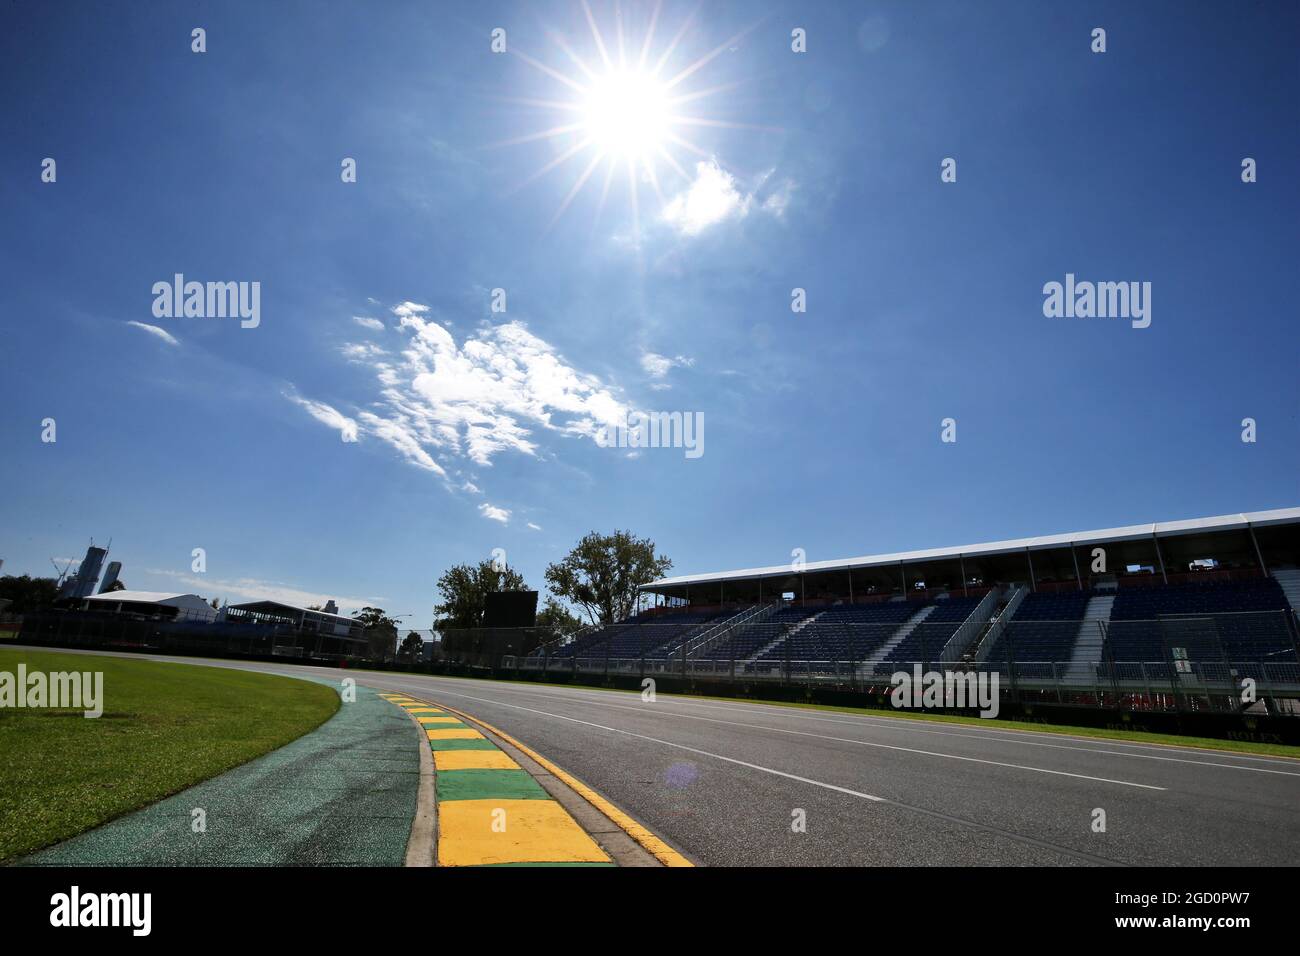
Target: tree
x=557 y=618
x=412 y=649
x=28 y=593
x=602 y=574
x=380 y=632
x=464 y=590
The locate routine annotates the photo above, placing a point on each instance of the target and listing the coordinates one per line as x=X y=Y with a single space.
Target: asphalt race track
x=722 y=782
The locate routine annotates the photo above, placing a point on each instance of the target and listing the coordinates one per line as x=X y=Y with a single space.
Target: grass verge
x=165 y=727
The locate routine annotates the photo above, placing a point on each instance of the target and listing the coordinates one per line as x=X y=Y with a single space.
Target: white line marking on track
x=800 y=733
x=669 y=743
x=910 y=726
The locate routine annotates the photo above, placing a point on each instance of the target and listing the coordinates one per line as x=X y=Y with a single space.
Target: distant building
x=318 y=631
x=110 y=576
x=82 y=584
x=152 y=604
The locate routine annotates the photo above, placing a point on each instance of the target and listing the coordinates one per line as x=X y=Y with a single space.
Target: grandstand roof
x=1237 y=522
x=262 y=605
x=144 y=597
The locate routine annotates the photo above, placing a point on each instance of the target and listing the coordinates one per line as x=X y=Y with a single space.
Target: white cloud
x=476 y=399
x=154 y=330
x=401 y=437
x=472 y=488
x=710 y=199
x=778 y=200
x=715 y=196
x=657 y=366
x=368 y=323
x=361 y=351
x=258 y=590
x=535 y=527
x=494 y=513
x=327 y=415
x=406 y=310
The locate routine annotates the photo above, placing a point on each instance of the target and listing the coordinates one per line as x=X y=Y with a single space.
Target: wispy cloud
x=493 y=513
x=475 y=399
x=366 y=322
x=155 y=331
x=327 y=415
x=361 y=351
x=657 y=366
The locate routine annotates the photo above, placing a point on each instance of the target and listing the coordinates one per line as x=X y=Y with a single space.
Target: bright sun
x=626 y=114
x=628 y=111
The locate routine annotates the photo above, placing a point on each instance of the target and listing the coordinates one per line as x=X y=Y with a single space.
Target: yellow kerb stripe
x=461 y=733
x=480 y=832
x=473 y=760
x=657 y=847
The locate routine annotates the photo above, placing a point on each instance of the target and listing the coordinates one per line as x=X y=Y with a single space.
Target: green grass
x=1027 y=725
x=165 y=727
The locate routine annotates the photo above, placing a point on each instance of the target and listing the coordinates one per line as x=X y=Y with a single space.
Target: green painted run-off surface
x=343 y=794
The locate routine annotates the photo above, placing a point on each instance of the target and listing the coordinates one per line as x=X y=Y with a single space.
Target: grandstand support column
x=1259 y=555
x=1159 y=555
x=1011 y=662
x=965 y=592
x=850 y=586
x=1033 y=582
x=1074 y=553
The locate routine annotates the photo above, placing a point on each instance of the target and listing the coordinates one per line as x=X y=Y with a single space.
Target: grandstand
x=1208 y=599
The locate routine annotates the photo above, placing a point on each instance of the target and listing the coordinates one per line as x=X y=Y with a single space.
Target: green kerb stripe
x=488 y=785
x=462 y=745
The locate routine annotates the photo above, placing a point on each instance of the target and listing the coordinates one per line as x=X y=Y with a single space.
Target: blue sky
x=817 y=170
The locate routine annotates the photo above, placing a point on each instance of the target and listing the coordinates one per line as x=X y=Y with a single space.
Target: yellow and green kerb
x=491 y=812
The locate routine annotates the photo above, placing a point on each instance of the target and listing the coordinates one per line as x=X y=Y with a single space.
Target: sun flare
x=626 y=114
x=629 y=110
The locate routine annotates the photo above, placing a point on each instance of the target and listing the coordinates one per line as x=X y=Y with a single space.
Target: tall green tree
x=603 y=571
x=558 y=618
x=412 y=648
x=463 y=591
x=28 y=593
x=380 y=632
